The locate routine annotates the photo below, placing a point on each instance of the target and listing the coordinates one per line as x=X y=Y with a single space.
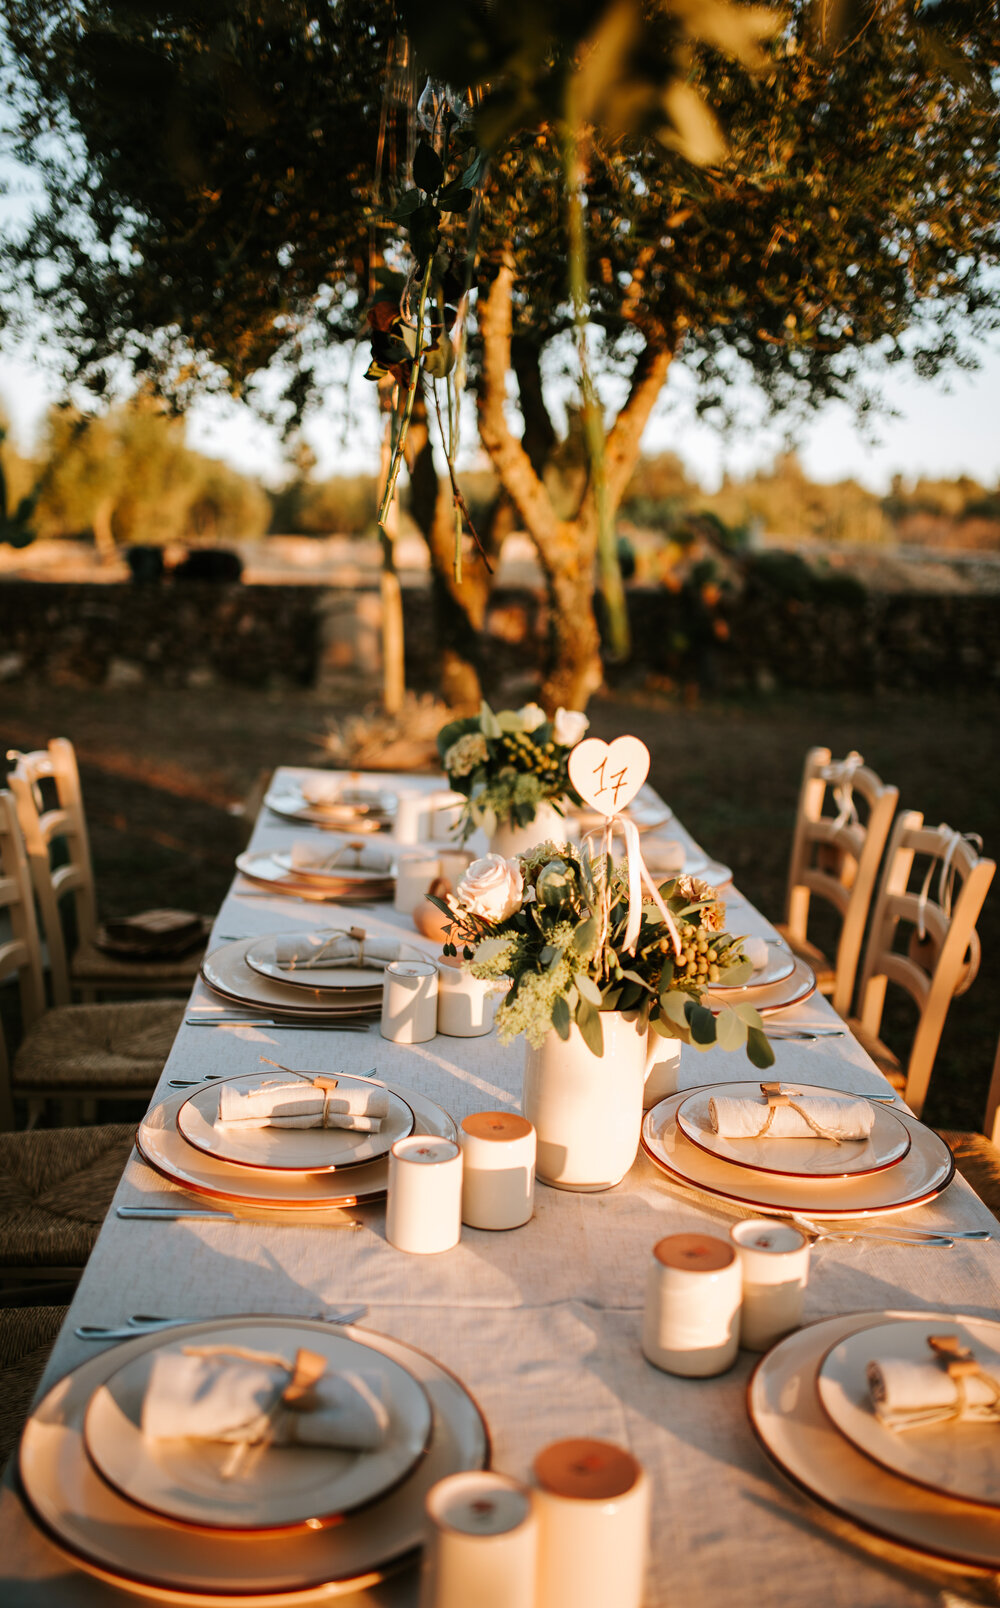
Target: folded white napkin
x=217 y=1396
x=298 y=950
x=360 y=1107
x=906 y=1394
x=345 y=857
x=755 y=951
x=809 y=1116
x=663 y=855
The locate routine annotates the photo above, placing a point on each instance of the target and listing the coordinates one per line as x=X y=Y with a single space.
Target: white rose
x=569 y=726
x=492 y=888
x=531 y=716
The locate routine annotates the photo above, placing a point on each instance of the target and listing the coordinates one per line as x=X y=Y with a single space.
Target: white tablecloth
x=543 y=1323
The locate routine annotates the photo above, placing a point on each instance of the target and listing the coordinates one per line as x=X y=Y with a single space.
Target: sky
x=942 y=429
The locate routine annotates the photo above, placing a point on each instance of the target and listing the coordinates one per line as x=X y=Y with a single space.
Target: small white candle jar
x=424 y=1208
x=498 y=1178
x=483 y=1544
x=691 y=1322
x=592 y=1502
x=411 y=817
x=409 y=1001
x=775 y=1262
x=465 y=1003
x=416 y=869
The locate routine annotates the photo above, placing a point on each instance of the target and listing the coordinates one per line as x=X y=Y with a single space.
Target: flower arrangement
x=554 y=921
x=507 y=764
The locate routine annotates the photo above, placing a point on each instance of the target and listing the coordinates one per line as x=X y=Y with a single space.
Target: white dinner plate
x=264 y=871
x=226 y=971
x=779 y=965
x=295 y=1150
x=926 y=1169
x=274 y=1487
x=798 y=983
x=785 y=1412
x=647 y=811
x=288 y=801
x=160 y=1144
x=331 y=870
x=958 y=1459
x=260 y=955
x=810 y=1157
x=124 y=1544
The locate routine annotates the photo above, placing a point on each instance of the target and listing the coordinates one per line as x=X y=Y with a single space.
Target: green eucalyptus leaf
x=702 y=1025
x=585 y=936
x=610 y=998
x=665 y=1028
x=748 y=1014
x=674 y=1007
x=456 y=199
x=406 y=206
x=488 y=723
x=433 y=899
x=588 y=989
x=759 y=1051
x=730 y=1031
x=428 y=169
x=590 y=1027
x=561 y=1016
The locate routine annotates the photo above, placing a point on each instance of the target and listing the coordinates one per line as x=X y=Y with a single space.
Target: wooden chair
x=56 y=1187
x=90 y=971
x=925 y=941
x=977 y=1155
x=27 y=1335
x=72 y=1051
x=836 y=858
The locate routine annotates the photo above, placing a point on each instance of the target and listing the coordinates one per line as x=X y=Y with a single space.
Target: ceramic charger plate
x=927 y=1168
x=810 y=1157
x=957 y=1459
x=264 y=871
x=297 y=1194
x=274 y=1487
x=125 y=1545
x=798 y=983
x=331 y=870
x=288 y=1150
x=786 y=1415
x=227 y=973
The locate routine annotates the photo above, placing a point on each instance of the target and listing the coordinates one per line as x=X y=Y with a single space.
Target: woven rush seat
x=56 y=1186
x=27 y=1335
x=91 y=965
x=80 y=1048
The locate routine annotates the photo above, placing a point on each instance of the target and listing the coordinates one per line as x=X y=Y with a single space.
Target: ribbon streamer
x=638 y=876
x=840 y=774
x=946 y=880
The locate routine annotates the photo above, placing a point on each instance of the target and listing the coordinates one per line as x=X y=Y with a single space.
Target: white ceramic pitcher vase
x=587 y=1109
x=510 y=840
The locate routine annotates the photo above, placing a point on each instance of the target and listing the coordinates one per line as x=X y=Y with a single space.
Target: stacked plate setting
x=250 y=973
x=933 y=1489
x=163 y=1519
x=334 y=803
x=333 y=882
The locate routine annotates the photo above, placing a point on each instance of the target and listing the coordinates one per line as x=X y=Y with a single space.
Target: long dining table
x=542 y=1324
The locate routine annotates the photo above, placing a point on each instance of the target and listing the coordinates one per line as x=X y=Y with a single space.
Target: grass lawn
x=163 y=773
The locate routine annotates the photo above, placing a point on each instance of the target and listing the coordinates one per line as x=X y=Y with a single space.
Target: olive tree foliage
x=762 y=191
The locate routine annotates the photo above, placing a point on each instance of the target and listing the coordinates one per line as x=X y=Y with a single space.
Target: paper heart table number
x=608 y=776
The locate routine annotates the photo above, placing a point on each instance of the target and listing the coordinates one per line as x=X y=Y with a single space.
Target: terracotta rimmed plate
x=169 y=1562
x=960 y=1460
x=288 y=801
x=275 y=1488
x=288 y=1150
x=810 y=1157
x=779 y=965
x=797 y=984
x=349 y=982
x=795 y=1432
x=264 y=872
x=159 y=1143
x=927 y=1168
x=226 y=971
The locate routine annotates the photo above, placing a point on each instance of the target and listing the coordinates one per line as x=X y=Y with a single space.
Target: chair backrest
x=42 y=824
x=938 y=919
x=836 y=856
x=20 y=952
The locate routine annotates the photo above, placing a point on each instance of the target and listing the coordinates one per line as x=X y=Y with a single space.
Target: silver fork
x=148 y=1323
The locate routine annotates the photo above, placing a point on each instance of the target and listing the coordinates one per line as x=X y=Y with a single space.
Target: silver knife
x=277 y=1021
x=169 y=1214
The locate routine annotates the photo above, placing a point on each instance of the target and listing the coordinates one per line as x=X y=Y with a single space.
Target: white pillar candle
x=409 y=1001
x=424 y=1207
x=691 y=1322
x=465 y=1003
x=416 y=869
x=498 y=1177
x=483 y=1544
x=455 y=863
x=775 y=1262
x=411 y=817
x=592 y=1502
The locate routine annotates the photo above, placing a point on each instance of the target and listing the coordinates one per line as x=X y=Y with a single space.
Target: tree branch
x=621 y=450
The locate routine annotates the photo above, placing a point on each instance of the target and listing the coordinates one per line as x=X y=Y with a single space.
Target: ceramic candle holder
x=424 y=1207
x=775 y=1262
x=498 y=1181
x=409 y=1001
x=691 y=1322
x=416 y=869
x=483 y=1544
x=592 y=1502
x=465 y=1003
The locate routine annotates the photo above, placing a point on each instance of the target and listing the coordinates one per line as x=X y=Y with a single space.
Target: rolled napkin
x=302 y=952
x=345 y=857
x=948 y=1386
x=324 y=1103
x=776 y=1114
x=244 y=1397
x=756 y=952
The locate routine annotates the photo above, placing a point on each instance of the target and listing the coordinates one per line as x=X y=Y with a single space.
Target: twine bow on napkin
x=827 y=1116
